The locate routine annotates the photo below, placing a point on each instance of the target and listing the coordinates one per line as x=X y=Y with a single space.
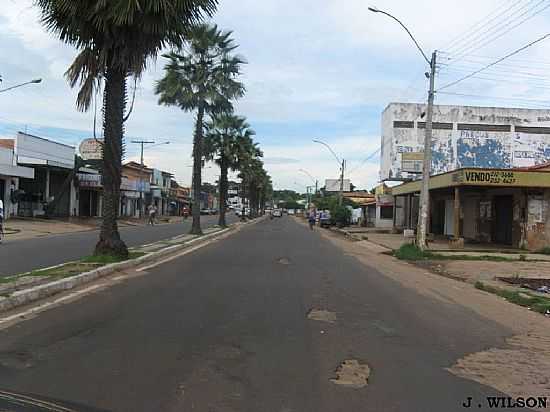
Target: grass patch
x=65 y=271
x=108 y=259
x=409 y=251
x=537 y=303
x=544 y=251
x=489 y=258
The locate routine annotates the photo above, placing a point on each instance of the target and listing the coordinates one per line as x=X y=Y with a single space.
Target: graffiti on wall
x=458 y=149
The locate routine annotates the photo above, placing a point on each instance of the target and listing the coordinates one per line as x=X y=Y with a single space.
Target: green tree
x=248 y=154
x=116 y=38
x=254 y=179
x=226 y=138
x=202 y=78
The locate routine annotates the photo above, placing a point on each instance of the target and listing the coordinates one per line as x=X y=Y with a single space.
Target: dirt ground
x=522 y=368
x=471 y=271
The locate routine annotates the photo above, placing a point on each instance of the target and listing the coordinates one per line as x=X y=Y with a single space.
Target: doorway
x=504 y=217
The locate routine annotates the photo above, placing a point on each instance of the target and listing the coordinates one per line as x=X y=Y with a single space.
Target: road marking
x=47 y=305
x=185 y=252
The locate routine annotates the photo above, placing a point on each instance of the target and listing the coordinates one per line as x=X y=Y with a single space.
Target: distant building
x=134 y=188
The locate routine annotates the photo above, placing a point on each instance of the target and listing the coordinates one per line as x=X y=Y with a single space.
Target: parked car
x=325 y=218
x=277 y=213
x=239 y=212
x=291 y=211
x=205 y=211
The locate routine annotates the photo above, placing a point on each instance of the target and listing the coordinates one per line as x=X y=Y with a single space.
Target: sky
x=317 y=69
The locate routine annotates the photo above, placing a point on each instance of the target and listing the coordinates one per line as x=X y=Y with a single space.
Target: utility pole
x=423 y=214
x=341 y=199
x=142 y=143
x=427 y=164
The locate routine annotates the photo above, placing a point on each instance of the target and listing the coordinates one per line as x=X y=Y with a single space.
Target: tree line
x=116 y=40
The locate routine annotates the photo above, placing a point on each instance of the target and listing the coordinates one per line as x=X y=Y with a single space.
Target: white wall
x=453 y=149
x=6 y=156
x=36 y=150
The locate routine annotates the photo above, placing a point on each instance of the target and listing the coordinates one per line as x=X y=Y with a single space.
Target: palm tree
x=115 y=39
x=226 y=133
x=202 y=78
x=250 y=166
x=247 y=153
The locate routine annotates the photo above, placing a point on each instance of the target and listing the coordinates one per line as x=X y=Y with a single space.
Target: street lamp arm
x=375 y=10
x=21 y=85
x=331 y=151
x=307 y=173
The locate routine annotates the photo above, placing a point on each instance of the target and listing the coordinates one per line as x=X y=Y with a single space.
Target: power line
x=487 y=39
x=477 y=96
x=364 y=161
x=496 y=62
x=495 y=29
x=496 y=76
x=472 y=31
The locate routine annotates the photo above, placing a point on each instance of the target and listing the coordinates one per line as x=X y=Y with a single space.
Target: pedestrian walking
x=152 y=214
x=312 y=218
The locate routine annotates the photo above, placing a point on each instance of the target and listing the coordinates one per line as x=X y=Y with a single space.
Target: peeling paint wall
x=454 y=149
x=538 y=221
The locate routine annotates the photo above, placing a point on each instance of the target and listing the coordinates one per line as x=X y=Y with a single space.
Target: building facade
x=134 y=188
x=10 y=174
x=51 y=188
x=463 y=137
x=507 y=207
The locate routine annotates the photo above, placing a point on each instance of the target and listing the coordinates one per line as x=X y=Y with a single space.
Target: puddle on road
x=322 y=315
x=352 y=374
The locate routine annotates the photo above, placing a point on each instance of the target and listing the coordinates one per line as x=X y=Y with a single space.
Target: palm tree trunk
x=197 y=171
x=114 y=102
x=243 y=199
x=223 y=189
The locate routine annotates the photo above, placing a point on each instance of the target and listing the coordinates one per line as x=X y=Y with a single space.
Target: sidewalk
x=513 y=270
x=29 y=228
x=17 y=229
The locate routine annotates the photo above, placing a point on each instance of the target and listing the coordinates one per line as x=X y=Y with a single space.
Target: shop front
x=500 y=207
x=90 y=194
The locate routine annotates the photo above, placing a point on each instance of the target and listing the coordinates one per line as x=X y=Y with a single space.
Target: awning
x=479 y=178
x=17 y=171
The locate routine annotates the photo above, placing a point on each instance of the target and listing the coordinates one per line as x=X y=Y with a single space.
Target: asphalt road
x=20 y=256
x=225 y=329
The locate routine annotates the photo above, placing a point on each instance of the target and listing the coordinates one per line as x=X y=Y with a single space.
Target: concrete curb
x=26 y=296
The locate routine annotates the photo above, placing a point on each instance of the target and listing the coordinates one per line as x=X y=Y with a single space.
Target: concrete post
x=456 y=216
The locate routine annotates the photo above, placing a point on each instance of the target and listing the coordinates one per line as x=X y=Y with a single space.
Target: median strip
x=21 y=289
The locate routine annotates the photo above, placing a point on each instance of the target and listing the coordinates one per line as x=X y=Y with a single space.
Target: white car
x=277 y=213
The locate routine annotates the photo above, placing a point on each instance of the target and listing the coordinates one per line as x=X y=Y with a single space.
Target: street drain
x=322 y=315
x=283 y=261
x=352 y=374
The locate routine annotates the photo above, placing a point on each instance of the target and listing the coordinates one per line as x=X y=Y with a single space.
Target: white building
x=52 y=162
x=463 y=137
x=10 y=174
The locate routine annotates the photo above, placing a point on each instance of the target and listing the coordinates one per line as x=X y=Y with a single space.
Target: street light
x=342 y=165
x=34 y=81
x=142 y=166
x=425 y=190
x=311 y=177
